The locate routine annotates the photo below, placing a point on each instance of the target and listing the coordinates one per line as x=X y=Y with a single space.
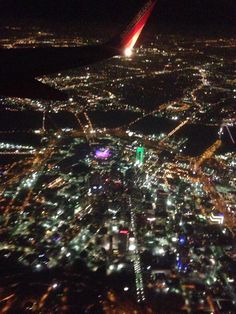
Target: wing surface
x=31 y=88
x=128 y=38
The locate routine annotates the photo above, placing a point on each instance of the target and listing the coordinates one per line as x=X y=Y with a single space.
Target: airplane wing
x=31 y=88
x=128 y=38
x=19 y=67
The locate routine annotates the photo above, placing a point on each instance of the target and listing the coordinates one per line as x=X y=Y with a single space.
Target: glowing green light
x=140 y=155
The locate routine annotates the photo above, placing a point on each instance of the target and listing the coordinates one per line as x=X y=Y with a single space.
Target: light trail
x=207 y=154
x=86 y=133
x=230 y=134
x=176 y=129
x=36 y=166
x=159 y=109
x=64 y=300
x=44 y=297
x=8 y=297
x=17 y=153
x=9 y=304
x=89 y=121
x=137 y=262
x=204 y=82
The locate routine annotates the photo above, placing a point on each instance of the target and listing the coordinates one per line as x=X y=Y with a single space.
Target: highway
x=136 y=257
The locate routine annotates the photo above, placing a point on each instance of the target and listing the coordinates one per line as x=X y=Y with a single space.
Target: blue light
x=179 y=265
x=182 y=240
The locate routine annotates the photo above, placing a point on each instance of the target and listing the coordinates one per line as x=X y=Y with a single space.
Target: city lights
x=123 y=197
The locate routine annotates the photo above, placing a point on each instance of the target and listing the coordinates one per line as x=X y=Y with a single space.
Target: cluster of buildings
x=126 y=213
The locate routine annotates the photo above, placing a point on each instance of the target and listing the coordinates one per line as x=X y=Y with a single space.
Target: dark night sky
x=168 y=13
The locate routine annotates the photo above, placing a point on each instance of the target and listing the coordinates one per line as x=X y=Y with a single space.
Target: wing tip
x=128 y=38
